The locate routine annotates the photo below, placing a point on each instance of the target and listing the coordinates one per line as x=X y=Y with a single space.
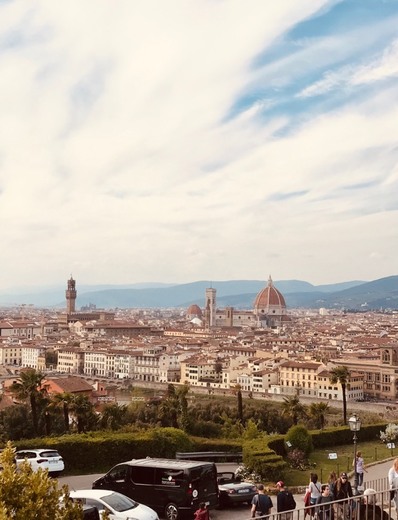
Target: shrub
x=300 y=438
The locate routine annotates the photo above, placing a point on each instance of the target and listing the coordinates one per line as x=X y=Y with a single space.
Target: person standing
x=261 y=503
x=393 y=481
x=332 y=483
x=284 y=502
x=343 y=492
x=314 y=488
x=359 y=468
x=324 y=509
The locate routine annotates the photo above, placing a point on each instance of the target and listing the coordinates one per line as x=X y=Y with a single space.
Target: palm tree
x=29 y=389
x=341 y=375
x=63 y=401
x=293 y=408
x=318 y=412
x=82 y=410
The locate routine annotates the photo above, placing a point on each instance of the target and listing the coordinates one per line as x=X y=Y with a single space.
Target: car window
x=49 y=454
x=169 y=477
x=141 y=475
x=118 y=473
x=119 y=502
x=25 y=455
x=93 y=503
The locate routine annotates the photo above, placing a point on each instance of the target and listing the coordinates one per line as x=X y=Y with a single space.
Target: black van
x=171 y=487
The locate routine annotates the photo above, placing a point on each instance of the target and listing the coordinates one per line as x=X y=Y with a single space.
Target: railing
x=211 y=456
x=354 y=508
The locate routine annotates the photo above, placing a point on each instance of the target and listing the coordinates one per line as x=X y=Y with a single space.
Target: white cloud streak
x=118 y=163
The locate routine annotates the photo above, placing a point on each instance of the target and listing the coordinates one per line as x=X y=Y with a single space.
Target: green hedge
x=99 y=451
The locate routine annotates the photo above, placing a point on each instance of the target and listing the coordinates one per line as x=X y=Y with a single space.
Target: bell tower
x=70 y=294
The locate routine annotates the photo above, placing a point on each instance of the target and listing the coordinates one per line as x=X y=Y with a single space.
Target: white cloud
x=118 y=161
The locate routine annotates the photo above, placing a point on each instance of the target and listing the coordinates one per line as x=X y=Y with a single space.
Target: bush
x=300 y=439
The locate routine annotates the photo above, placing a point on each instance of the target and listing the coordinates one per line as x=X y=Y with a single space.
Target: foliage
x=341 y=375
x=317 y=412
x=251 y=430
x=297 y=459
x=260 y=459
x=293 y=408
x=247 y=475
x=390 y=434
x=16 y=423
x=300 y=438
x=28 y=494
x=29 y=389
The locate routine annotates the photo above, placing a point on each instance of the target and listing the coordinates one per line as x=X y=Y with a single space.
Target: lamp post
x=355 y=425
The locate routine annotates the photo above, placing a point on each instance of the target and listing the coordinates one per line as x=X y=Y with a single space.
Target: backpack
x=290 y=502
x=264 y=504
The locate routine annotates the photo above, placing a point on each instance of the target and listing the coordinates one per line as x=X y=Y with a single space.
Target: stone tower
x=210 y=307
x=70 y=294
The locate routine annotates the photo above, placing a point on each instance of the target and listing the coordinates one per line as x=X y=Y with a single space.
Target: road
x=376 y=478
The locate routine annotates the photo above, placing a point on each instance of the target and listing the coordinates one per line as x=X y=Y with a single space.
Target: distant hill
x=356 y=295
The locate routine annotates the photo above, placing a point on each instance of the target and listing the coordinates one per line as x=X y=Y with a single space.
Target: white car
x=117 y=505
x=44 y=458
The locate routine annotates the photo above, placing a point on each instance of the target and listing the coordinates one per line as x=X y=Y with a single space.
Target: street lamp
x=355 y=425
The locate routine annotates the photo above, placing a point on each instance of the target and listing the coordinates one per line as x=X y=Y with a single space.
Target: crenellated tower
x=70 y=294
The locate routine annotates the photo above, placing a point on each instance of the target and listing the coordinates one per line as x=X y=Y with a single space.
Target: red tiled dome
x=194 y=310
x=269 y=297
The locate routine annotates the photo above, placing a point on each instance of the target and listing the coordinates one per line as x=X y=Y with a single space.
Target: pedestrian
x=324 y=509
x=332 y=484
x=202 y=513
x=284 y=502
x=393 y=481
x=369 y=510
x=261 y=503
x=343 y=492
x=359 y=468
x=314 y=488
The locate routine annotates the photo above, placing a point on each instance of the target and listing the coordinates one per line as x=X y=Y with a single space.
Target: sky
x=183 y=140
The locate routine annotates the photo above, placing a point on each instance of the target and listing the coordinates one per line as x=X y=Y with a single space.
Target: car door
x=117 y=479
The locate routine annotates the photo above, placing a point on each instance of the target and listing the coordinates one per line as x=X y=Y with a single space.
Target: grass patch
x=322 y=465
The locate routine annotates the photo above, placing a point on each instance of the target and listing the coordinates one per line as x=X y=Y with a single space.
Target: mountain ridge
x=355 y=294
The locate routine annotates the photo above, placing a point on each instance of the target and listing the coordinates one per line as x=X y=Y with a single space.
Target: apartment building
x=70 y=360
x=11 y=353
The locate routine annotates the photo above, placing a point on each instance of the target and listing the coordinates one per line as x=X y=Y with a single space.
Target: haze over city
x=178 y=141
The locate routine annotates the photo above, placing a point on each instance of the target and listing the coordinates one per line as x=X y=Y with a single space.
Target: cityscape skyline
x=171 y=142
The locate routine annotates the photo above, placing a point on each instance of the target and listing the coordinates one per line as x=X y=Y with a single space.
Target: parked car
x=90 y=513
x=42 y=458
x=172 y=487
x=117 y=505
x=232 y=490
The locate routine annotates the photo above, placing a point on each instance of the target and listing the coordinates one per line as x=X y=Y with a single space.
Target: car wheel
x=171 y=512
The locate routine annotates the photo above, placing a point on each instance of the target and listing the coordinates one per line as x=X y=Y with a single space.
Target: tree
x=390 y=435
x=82 y=410
x=29 y=389
x=63 y=401
x=317 y=412
x=32 y=494
x=16 y=422
x=341 y=375
x=293 y=408
x=299 y=438
x=114 y=416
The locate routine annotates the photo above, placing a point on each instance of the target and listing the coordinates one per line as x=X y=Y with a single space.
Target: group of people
x=329 y=501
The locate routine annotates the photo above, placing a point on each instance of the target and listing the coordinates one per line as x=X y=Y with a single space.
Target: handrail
x=352 y=508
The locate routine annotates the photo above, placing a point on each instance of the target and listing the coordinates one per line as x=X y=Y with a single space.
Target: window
x=141 y=475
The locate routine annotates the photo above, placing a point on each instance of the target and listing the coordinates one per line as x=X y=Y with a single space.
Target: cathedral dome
x=194 y=311
x=269 y=300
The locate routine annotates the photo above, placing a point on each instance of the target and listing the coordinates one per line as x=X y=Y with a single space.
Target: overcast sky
x=183 y=140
